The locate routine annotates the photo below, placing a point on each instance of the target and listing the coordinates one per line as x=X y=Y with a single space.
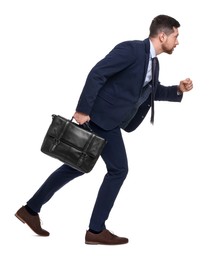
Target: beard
x=168 y=50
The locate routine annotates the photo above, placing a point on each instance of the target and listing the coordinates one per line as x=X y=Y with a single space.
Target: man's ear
x=162 y=37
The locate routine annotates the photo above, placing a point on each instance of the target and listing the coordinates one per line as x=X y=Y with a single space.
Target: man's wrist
x=179 y=92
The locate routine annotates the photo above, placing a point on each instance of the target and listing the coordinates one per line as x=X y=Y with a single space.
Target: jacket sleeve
x=122 y=56
x=164 y=93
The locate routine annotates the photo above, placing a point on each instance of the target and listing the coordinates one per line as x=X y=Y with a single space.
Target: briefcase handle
x=85 y=125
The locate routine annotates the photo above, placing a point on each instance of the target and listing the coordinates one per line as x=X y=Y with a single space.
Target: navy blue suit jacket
x=114 y=86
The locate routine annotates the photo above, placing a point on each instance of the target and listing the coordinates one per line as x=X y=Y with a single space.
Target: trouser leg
x=115 y=158
x=53 y=183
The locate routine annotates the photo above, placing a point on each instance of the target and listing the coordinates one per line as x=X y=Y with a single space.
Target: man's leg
x=54 y=182
x=115 y=158
x=29 y=213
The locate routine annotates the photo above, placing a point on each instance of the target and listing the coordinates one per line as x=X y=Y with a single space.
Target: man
x=118 y=93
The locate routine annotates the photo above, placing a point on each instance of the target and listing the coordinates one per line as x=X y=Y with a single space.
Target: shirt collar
x=152 y=50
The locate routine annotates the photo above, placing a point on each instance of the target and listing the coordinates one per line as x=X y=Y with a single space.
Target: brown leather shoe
x=32 y=221
x=104 y=238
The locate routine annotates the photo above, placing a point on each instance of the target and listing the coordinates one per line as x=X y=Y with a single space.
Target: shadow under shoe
x=32 y=221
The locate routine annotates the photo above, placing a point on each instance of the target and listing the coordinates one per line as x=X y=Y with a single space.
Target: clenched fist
x=185 y=85
x=81 y=118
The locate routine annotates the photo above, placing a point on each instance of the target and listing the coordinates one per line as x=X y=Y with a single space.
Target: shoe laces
x=112 y=233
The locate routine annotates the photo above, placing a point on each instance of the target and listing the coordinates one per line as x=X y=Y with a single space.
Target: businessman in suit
x=117 y=95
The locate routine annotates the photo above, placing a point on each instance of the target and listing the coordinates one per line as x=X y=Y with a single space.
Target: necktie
x=154 y=82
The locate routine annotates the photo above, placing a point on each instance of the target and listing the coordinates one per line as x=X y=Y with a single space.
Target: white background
x=47 y=49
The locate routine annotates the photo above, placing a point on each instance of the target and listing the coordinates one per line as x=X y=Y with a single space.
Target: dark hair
x=162 y=23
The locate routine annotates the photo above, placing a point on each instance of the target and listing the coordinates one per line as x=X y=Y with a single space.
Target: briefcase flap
x=72 y=134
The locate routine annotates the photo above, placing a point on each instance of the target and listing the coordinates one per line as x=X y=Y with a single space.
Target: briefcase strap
x=57 y=140
x=84 y=152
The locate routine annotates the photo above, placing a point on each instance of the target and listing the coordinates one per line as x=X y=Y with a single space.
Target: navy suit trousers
x=115 y=158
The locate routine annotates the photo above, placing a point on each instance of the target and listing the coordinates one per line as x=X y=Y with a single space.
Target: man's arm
x=122 y=56
x=173 y=93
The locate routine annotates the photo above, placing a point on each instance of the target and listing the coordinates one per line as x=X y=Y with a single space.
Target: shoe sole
x=20 y=218
x=91 y=243
x=98 y=243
